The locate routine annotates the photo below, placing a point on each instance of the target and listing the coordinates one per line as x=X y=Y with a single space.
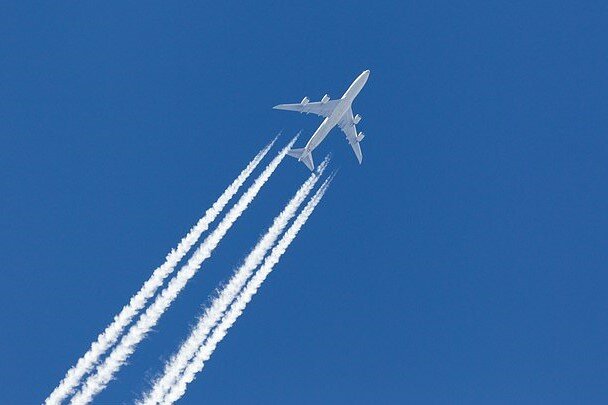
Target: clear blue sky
x=463 y=262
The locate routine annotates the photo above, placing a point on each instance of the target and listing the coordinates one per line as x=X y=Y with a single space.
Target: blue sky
x=464 y=261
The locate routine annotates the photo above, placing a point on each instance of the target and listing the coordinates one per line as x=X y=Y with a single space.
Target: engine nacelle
x=357 y=119
x=305 y=101
x=360 y=137
x=325 y=99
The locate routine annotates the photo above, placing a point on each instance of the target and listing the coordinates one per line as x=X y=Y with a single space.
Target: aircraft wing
x=347 y=125
x=320 y=108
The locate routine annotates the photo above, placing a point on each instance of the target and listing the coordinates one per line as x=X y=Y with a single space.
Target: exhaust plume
x=206 y=350
x=105 y=371
x=110 y=335
x=176 y=365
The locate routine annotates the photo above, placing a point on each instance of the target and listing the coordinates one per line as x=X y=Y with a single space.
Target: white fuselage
x=341 y=109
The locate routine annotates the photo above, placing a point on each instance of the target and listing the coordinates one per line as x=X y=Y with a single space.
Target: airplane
x=335 y=112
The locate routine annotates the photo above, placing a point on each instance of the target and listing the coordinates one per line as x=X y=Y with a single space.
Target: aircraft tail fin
x=303 y=156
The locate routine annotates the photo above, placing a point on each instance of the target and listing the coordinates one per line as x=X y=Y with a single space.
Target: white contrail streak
x=104 y=372
x=206 y=350
x=110 y=335
x=176 y=365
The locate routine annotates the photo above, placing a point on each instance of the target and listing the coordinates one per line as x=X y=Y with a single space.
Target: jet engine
x=357 y=119
x=305 y=101
x=325 y=99
x=360 y=137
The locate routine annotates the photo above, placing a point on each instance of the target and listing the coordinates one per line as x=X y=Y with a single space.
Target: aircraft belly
x=326 y=126
x=319 y=134
x=340 y=110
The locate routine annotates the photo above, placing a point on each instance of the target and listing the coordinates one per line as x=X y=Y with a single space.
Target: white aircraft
x=335 y=112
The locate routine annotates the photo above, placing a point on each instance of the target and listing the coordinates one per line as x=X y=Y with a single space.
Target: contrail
x=104 y=372
x=110 y=335
x=176 y=365
x=206 y=350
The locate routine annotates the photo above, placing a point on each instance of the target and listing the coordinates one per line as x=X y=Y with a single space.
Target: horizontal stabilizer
x=303 y=156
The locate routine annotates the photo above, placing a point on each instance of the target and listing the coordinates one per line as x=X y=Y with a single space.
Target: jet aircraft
x=335 y=112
